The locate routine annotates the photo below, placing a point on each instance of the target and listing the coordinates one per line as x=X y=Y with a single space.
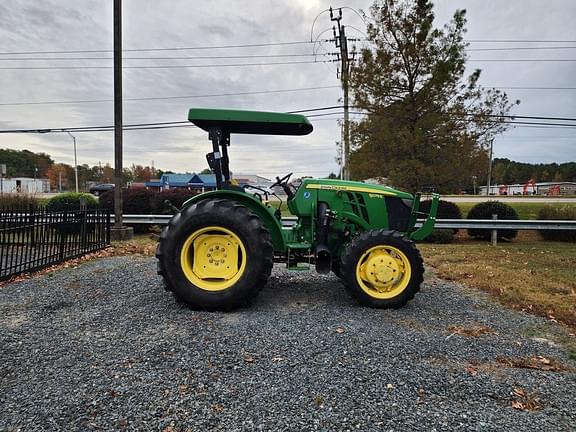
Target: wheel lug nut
x=208 y=255
x=217 y=247
x=210 y=260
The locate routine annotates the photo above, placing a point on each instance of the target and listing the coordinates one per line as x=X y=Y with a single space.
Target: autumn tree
x=426 y=123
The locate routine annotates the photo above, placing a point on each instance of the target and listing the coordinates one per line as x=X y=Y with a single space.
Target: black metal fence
x=33 y=239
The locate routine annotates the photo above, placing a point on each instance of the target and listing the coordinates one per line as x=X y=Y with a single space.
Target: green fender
x=273 y=224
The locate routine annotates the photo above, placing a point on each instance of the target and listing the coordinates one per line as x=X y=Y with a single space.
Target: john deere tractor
x=218 y=251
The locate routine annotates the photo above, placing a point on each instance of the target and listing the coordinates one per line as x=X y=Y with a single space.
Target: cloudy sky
x=52 y=27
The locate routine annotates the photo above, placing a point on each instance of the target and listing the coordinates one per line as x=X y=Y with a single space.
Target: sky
x=545 y=88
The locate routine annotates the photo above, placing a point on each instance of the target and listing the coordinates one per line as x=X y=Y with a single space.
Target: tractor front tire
x=382 y=269
x=215 y=255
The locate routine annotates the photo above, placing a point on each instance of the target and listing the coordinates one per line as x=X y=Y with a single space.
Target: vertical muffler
x=322 y=254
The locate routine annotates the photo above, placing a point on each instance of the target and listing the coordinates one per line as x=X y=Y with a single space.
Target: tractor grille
x=358 y=205
x=398 y=214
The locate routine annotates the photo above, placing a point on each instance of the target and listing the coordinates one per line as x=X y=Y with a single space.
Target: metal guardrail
x=440 y=223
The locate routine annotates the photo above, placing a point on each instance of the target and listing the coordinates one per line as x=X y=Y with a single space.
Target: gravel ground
x=104 y=347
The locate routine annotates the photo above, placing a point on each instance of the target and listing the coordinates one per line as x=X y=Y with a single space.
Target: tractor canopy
x=249 y=122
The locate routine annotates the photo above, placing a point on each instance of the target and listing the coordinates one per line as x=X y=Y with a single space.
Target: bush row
x=144 y=201
x=558 y=213
x=485 y=210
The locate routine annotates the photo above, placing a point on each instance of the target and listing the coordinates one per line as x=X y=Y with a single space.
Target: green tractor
x=218 y=251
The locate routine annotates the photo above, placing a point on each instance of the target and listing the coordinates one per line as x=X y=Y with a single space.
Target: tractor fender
x=272 y=224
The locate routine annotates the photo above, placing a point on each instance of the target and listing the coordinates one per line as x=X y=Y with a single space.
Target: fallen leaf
x=248 y=358
x=217 y=408
x=339 y=330
x=517 y=405
x=389 y=386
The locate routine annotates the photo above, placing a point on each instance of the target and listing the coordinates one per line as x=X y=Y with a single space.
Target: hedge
x=485 y=210
x=446 y=210
x=558 y=213
x=71 y=201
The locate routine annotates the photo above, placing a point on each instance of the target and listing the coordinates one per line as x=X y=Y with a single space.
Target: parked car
x=101 y=188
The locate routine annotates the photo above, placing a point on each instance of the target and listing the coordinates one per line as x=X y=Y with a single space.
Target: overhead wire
x=171 y=97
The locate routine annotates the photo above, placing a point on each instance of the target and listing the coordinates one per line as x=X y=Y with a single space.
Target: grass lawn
x=527 y=274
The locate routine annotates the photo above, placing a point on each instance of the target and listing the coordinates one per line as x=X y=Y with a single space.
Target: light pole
x=75 y=161
x=474 y=180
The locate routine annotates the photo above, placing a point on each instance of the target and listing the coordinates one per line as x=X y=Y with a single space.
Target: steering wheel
x=280 y=181
x=283 y=183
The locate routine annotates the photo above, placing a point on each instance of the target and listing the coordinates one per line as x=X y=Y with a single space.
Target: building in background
x=532 y=188
x=202 y=182
x=25 y=185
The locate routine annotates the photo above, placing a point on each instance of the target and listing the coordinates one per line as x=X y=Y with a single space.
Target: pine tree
x=426 y=124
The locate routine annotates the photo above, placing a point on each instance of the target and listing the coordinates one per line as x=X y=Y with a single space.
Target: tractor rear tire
x=382 y=269
x=215 y=255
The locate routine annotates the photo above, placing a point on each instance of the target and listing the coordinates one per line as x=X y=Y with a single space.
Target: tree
x=426 y=124
x=206 y=171
x=61 y=175
x=23 y=163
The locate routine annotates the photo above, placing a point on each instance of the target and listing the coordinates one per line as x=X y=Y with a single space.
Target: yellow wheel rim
x=213 y=258
x=383 y=272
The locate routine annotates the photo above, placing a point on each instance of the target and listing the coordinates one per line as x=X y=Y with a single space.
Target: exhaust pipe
x=322 y=253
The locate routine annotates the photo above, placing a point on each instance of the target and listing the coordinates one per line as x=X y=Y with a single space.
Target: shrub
x=18 y=202
x=144 y=201
x=485 y=210
x=558 y=213
x=71 y=201
x=134 y=201
x=176 y=196
x=446 y=210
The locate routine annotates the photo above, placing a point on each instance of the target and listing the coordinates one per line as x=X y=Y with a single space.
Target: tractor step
x=298 y=266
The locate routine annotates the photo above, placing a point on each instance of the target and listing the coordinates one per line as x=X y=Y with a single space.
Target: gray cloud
x=29 y=25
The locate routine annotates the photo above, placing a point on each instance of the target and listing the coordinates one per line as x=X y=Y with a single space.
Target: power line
x=518 y=41
x=170 y=97
x=521 y=48
x=511 y=119
x=533 y=88
x=160 y=49
x=169 y=58
x=248 y=93
x=521 y=60
x=159 y=66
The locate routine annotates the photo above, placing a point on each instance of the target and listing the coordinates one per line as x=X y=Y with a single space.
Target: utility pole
x=342 y=42
x=119 y=232
x=490 y=167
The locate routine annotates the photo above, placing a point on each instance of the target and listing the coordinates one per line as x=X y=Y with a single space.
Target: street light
x=75 y=161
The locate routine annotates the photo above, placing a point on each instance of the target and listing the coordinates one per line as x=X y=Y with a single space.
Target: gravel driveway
x=104 y=347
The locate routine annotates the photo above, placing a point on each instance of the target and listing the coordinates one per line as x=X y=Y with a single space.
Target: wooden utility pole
x=342 y=43
x=118 y=113
x=119 y=232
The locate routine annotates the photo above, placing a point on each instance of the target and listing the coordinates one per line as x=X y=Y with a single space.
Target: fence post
x=63 y=235
x=494 y=231
x=32 y=214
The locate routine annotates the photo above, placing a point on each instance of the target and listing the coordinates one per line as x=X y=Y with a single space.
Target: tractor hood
x=353 y=186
